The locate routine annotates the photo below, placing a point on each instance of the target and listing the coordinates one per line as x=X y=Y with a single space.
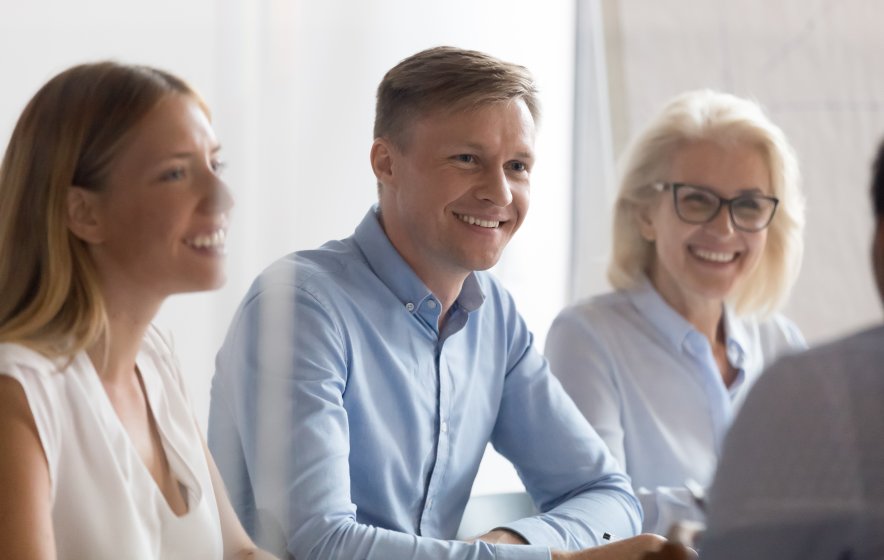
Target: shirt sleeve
x=566 y=467
x=581 y=360
x=280 y=432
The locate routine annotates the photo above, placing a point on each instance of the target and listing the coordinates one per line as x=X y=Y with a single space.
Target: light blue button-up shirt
x=648 y=382
x=347 y=426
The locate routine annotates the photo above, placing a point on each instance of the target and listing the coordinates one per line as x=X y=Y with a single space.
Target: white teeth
x=473 y=221
x=714 y=256
x=214 y=240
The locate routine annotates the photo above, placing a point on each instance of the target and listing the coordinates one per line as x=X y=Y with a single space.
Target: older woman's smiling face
x=698 y=264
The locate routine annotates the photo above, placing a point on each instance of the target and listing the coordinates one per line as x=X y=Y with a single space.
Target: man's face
x=458 y=189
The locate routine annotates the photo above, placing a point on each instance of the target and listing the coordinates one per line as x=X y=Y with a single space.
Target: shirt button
x=444 y=427
x=431 y=304
x=409 y=306
x=430 y=503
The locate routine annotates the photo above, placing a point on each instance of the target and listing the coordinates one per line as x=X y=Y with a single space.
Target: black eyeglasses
x=700 y=205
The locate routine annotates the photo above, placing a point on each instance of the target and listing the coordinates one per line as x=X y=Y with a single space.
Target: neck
x=446 y=292
x=127 y=321
x=704 y=314
x=708 y=320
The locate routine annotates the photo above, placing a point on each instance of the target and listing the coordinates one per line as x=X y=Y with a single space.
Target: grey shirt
x=802 y=473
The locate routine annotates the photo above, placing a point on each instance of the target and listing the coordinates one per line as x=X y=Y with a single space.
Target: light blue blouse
x=648 y=382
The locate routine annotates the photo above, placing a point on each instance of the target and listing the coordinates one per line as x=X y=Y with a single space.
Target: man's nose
x=496 y=187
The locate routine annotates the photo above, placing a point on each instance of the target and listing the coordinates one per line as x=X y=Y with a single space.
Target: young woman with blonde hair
x=110 y=201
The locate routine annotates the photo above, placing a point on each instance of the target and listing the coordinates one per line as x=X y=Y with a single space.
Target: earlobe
x=382 y=154
x=82 y=215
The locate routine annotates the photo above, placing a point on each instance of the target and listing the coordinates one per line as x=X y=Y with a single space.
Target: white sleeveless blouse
x=105 y=504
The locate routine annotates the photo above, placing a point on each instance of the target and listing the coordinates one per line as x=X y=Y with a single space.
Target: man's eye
x=465 y=158
x=518 y=166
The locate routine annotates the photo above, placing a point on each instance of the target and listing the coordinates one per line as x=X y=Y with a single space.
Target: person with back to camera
x=706 y=246
x=801 y=476
x=360 y=383
x=110 y=201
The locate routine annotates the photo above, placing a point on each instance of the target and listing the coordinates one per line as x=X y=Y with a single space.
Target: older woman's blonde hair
x=725 y=119
x=68 y=135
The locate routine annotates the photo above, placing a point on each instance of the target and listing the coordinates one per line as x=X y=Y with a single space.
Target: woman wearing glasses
x=706 y=246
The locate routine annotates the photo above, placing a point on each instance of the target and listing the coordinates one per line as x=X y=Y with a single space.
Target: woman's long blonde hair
x=68 y=135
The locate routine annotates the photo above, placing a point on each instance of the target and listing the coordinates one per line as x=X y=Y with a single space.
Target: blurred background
x=291 y=84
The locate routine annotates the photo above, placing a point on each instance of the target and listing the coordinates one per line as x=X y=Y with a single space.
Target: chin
x=205 y=283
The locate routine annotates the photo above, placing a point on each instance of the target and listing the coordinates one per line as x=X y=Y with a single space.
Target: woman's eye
x=698 y=199
x=218 y=166
x=748 y=203
x=175 y=174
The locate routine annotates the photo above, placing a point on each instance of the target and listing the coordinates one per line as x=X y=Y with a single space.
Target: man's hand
x=634 y=548
x=672 y=551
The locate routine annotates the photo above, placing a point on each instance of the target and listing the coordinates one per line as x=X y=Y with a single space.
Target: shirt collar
x=677 y=330
x=674 y=328
x=737 y=338
x=388 y=265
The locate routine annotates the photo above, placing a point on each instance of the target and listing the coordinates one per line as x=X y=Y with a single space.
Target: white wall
x=292 y=85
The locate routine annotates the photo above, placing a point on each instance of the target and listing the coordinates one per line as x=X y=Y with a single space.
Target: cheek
x=757 y=244
x=522 y=200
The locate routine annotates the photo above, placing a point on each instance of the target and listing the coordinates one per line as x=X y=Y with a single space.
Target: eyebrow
x=747 y=190
x=480 y=147
x=185 y=155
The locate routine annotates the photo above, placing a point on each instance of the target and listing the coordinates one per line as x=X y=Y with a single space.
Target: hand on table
x=634 y=548
x=642 y=547
x=672 y=551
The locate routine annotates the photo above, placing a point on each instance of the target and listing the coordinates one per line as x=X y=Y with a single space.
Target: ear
x=83 y=215
x=878 y=255
x=382 y=155
x=644 y=221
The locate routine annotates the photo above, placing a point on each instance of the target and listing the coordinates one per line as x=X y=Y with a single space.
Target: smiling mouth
x=474 y=221
x=714 y=256
x=213 y=241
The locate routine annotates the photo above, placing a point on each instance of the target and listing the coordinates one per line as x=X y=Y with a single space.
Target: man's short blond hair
x=447 y=78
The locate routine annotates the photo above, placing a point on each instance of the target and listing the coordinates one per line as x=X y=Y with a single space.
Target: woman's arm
x=237 y=544
x=26 y=531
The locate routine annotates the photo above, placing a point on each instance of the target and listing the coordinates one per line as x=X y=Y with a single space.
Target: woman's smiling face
x=702 y=263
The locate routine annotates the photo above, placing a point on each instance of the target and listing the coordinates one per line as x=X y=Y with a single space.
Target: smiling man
x=361 y=382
